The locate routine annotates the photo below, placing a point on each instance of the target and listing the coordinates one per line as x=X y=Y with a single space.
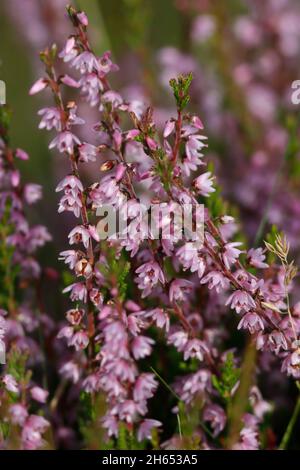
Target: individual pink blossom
x=256 y=258
x=39 y=394
x=18 y=414
x=70 y=371
x=51 y=118
x=70 y=50
x=204 y=184
x=215 y=415
x=252 y=322
x=70 y=257
x=160 y=318
x=10 y=383
x=231 y=253
x=215 y=280
x=144 y=387
x=241 y=301
x=149 y=274
x=179 y=289
x=88 y=152
x=78 y=291
x=190 y=258
x=85 y=62
x=194 y=348
x=38 y=86
x=79 y=340
x=146 y=427
x=141 y=347
x=65 y=142
x=32 y=193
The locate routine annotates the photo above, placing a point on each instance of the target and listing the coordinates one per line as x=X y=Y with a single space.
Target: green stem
x=290 y=428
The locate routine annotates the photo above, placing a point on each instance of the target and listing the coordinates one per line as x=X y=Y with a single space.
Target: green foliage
x=16 y=364
x=229 y=377
x=181 y=88
x=271 y=239
x=5 y=119
x=163 y=169
x=127 y=439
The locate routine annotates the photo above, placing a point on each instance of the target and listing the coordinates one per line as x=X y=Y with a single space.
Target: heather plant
x=21 y=319
x=137 y=297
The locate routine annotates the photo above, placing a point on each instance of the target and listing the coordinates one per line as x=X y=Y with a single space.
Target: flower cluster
x=18 y=319
x=115 y=324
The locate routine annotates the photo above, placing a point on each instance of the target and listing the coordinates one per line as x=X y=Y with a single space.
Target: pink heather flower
x=260 y=407
x=144 y=387
x=69 y=81
x=196 y=384
x=32 y=432
x=189 y=257
x=249 y=440
x=91 y=87
x=149 y=274
x=106 y=65
x=86 y=62
x=88 y=153
x=83 y=268
x=291 y=365
x=178 y=290
x=110 y=423
x=111 y=97
x=241 y=301
x=135 y=324
x=277 y=341
x=141 y=347
x=160 y=318
x=169 y=128
x=70 y=371
x=70 y=257
x=91 y=383
x=215 y=415
x=203 y=28
x=65 y=142
x=256 y=258
x=215 y=280
x=108 y=192
x=79 y=340
x=51 y=119
x=10 y=383
x=21 y=154
x=179 y=339
x=191 y=164
x=75 y=316
x=39 y=394
x=80 y=234
x=83 y=19
x=65 y=332
x=70 y=202
x=124 y=370
x=73 y=118
x=78 y=291
x=194 y=348
x=204 y=184
x=38 y=86
x=70 y=183
x=18 y=414
x=15 y=178
x=32 y=193
x=96 y=297
x=231 y=253
x=70 y=51
x=146 y=427
x=252 y=322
